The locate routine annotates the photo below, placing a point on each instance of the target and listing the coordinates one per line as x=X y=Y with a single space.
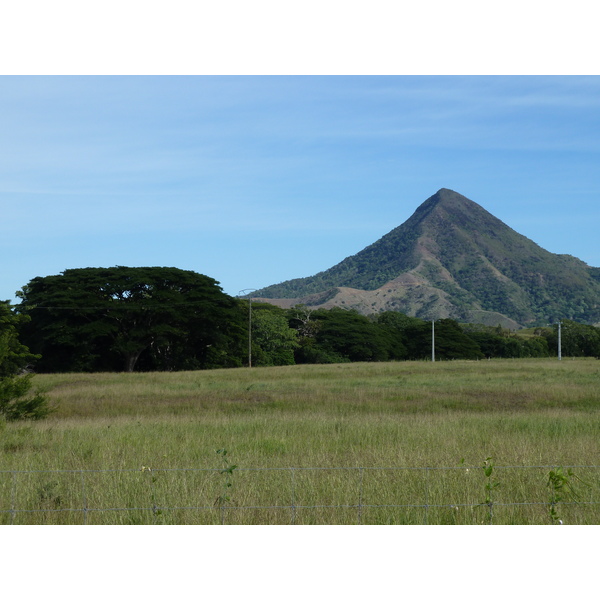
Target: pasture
x=373 y=443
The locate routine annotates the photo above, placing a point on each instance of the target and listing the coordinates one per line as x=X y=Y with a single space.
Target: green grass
x=336 y=417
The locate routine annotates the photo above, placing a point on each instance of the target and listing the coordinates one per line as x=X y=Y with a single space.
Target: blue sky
x=253 y=180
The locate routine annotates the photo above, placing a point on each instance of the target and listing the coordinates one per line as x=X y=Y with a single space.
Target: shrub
x=19 y=401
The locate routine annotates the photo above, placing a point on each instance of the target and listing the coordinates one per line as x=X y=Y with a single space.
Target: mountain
x=453 y=259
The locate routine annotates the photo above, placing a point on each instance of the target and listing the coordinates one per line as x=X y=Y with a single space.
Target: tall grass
x=521 y=412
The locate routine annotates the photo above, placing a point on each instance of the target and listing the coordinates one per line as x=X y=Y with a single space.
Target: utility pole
x=559 y=341
x=432 y=340
x=240 y=293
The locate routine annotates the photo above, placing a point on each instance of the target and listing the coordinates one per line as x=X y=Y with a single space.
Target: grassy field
x=344 y=443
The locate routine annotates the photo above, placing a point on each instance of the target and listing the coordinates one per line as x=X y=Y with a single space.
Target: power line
x=131 y=305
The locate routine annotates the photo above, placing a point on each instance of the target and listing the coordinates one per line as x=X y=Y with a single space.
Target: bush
x=19 y=401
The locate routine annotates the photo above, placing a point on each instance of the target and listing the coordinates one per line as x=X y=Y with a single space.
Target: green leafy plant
x=491 y=484
x=227 y=473
x=155 y=510
x=18 y=401
x=561 y=489
x=48 y=495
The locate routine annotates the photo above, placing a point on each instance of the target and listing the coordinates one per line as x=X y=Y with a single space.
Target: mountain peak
x=448 y=199
x=447 y=207
x=452 y=258
x=443 y=193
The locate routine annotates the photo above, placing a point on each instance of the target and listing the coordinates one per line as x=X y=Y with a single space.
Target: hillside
x=452 y=258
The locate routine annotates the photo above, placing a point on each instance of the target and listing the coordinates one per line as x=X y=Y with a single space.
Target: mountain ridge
x=454 y=259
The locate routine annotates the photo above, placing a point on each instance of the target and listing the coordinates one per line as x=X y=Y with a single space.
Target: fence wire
x=541 y=494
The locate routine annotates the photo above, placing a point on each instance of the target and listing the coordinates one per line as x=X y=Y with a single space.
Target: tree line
x=162 y=318
x=339 y=335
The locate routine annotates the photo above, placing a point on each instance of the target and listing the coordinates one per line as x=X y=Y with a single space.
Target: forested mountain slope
x=452 y=258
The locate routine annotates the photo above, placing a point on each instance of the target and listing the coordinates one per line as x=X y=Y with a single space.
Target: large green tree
x=123 y=317
x=341 y=335
x=273 y=341
x=496 y=342
x=416 y=335
x=452 y=343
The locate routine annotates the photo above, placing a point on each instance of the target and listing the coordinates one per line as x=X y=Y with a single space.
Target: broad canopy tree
x=123 y=318
x=340 y=335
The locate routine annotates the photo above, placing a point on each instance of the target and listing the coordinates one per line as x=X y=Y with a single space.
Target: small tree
x=273 y=341
x=17 y=399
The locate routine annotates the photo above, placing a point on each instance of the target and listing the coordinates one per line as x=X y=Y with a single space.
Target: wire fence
x=491 y=494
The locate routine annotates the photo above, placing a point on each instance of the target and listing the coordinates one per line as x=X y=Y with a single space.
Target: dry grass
x=368 y=387
x=528 y=412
